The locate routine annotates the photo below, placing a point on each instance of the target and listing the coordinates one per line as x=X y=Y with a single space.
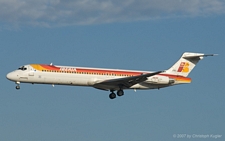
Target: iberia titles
x=67 y=69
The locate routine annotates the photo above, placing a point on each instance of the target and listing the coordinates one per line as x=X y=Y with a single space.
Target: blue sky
x=136 y=35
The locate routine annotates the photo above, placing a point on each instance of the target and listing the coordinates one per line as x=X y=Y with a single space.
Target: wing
x=123 y=83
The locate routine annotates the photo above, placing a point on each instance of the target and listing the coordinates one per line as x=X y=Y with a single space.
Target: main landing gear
x=113 y=95
x=18 y=85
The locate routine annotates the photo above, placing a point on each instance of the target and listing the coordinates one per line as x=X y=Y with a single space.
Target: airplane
x=108 y=79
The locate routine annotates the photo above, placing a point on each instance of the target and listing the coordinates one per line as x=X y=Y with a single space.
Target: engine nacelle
x=160 y=80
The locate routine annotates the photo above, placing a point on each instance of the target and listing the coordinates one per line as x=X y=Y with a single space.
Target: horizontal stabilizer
x=196 y=56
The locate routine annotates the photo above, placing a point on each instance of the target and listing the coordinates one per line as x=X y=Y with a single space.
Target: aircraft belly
x=144 y=85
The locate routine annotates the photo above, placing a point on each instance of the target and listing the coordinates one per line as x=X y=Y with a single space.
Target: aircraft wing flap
x=126 y=82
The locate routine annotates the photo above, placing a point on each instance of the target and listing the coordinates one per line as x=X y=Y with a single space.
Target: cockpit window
x=22 y=68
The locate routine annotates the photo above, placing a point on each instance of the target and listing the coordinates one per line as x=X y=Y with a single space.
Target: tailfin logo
x=184 y=67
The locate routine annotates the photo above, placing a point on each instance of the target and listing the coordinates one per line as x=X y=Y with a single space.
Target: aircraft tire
x=17 y=87
x=120 y=92
x=112 y=95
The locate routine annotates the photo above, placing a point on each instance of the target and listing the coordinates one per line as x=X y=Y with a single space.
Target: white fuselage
x=74 y=76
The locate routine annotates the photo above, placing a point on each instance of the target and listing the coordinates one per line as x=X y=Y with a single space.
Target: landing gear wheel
x=17 y=87
x=120 y=92
x=112 y=95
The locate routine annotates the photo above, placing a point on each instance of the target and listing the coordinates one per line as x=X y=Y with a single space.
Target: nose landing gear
x=18 y=85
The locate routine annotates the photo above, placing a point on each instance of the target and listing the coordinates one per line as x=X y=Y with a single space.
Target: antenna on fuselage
x=51 y=64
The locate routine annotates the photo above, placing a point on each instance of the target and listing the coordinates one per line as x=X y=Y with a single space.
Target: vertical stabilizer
x=186 y=63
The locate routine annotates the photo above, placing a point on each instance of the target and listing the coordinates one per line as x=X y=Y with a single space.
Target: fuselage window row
x=110 y=74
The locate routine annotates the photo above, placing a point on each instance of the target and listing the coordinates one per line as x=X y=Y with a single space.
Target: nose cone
x=11 y=76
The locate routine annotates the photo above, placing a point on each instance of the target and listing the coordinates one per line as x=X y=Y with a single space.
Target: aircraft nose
x=11 y=76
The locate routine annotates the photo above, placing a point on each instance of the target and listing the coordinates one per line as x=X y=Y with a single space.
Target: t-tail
x=186 y=63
